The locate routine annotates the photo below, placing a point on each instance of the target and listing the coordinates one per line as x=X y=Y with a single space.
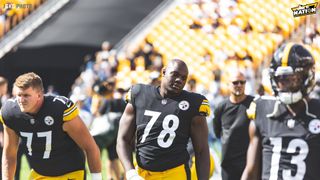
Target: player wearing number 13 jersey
x=163 y=119
x=285 y=132
x=51 y=131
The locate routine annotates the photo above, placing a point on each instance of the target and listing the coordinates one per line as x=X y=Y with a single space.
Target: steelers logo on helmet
x=184 y=105
x=292 y=73
x=48 y=120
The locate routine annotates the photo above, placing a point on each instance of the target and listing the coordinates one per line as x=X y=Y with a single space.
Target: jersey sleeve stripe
x=1 y=119
x=71 y=114
x=204 y=108
x=251 y=111
x=205 y=103
x=70 y=109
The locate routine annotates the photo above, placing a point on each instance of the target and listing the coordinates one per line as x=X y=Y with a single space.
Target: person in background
x=231 y=126
x=260 y=90
x=113 y=109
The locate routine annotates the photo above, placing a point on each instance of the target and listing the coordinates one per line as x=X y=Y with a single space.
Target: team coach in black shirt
x=231 y=125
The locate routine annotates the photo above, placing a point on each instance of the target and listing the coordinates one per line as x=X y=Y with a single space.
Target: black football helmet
x=292 y=73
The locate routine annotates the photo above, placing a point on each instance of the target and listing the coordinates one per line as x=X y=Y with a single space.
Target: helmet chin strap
x=290 y=97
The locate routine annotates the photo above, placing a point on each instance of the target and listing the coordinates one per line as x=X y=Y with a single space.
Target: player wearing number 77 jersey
x=285 y=132
x=52 y=132
x=163 y=119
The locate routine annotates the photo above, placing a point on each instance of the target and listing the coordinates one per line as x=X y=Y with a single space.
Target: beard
x=237 y=93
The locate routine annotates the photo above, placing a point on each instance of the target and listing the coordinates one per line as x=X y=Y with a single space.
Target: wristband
x=96 y=176
x=131 y=173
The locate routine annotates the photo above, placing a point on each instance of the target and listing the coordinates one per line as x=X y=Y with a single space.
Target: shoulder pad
x=64 y=100
x=70 y=109
x=133 y=91
x=8 y=109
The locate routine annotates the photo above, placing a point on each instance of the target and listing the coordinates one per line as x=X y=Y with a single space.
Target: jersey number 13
x=298 y=148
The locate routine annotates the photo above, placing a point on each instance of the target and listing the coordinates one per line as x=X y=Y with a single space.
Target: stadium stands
x=14 y=11
x=19 y=18
x=212 y=35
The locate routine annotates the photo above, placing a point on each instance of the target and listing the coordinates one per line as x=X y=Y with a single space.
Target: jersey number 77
x=46 y=134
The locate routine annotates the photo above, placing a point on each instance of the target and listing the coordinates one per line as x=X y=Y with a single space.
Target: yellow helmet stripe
x=285 y=56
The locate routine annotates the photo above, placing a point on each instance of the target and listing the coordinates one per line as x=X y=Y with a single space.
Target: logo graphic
x=314 y=126
x=164 y=101
x=32 y=121
x=290 y=123
x=303 y=10
x=17 y=6
x=184 y=105
x=48 y=120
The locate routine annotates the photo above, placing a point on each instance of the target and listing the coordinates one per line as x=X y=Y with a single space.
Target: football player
x=162 y=119
x=51 y=130
x=285 y=132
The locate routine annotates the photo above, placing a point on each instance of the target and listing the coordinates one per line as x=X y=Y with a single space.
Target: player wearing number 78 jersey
x=53 y=135
x=163 y=119
x=285 y=132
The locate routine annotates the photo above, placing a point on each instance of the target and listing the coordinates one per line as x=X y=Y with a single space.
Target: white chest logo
x=184 y=105
x=48 y=120
x=32 y=121
x=314 y=126
x=164 y=101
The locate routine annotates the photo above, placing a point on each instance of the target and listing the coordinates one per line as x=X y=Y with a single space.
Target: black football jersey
x=291 y=144
x=51 y=152
x=163 y=126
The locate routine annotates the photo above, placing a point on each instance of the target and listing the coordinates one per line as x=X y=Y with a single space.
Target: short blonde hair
x=27 y=80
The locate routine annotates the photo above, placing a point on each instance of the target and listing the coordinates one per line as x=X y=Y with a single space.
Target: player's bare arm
x=9 y=155
x=125 y=135
x=199 y=136
x=77 y=130
x=252 y=170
